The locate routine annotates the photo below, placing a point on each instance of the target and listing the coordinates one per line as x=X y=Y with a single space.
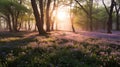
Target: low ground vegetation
x=21 y=50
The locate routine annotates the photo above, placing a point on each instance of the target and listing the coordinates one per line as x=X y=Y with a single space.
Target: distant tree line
x=90 y=9
x=87 y=14
x=11 y=10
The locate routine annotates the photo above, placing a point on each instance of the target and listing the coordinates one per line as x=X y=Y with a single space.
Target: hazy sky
x=107 y=2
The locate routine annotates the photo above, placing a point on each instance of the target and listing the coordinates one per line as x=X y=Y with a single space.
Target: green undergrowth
x=53 y=52
x=79 y=55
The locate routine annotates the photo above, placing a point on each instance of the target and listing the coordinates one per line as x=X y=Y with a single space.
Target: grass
x=53 y=52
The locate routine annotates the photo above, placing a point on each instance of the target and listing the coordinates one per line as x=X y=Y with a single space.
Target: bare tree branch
x=105 y=6
x=82 y=7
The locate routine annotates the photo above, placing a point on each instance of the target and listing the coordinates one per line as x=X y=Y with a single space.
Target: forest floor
x=60 y=48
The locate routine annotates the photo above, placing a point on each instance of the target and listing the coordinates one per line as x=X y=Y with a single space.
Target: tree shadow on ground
x=12 y=39
x=11 y=34
x=18 y=42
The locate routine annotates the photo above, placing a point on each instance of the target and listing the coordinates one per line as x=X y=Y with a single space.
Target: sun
x=61 y=15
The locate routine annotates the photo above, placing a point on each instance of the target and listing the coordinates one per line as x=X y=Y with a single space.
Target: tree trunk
x=16 y=24
x=117 y=21
x=52 y=25
x=41 y=6
x=110 y=12
x=9 y=23
x=90 y=15
x=109 y=23
x=48 y=16
x=19 y=26
x=117 y=16
x=73 y=29
x=39 y=24
x=71 y=18
x=13 y=23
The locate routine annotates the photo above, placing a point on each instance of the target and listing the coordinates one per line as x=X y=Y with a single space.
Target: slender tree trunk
x=16 y=24
x=9 y=23
x=37 y=18
x=71 y=18
x=117 y=22
x=19 y=26
x=13 y=22
x=110 y=12
x=52 y=26
x=73 y=29
x=109 y=23
x=29 y=25
x=90 y=14
x=56 y=25
x=52 y=21
x=41 y=5
x=117 y=16
x=48 y=16
x=25 y=25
